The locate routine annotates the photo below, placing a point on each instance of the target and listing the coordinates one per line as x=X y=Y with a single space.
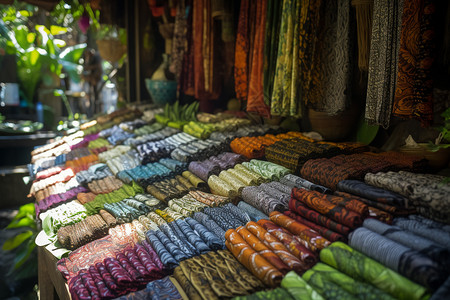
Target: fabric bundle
x=99 y=145
x=346 y=212
x=436 y=234
x=148 y=129
x=215 y=275
x=298 y=182
x=114 y=152
x=199 y=150
x=89 y=229
x=65 y=214
x=62 y=176
x=115 y=135
x=95 y=172
x=77 y=153
x=127 y=271
x=293 y=153
x=55 y=199
x=146 y=174
x=358 y=266
x=410 y=263
x=152 y=136
x=253 y=147
x=257 y=197
x=328 y=172
x=254 y=213
x=226 y=216
x=426 y=192
x=292 y=242
x=105 y=185
x=100 y=200
x=214 y=164
x=267 y=170
x=168 y=189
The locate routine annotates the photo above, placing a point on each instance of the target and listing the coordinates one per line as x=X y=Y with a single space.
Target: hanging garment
x=383 y=61
x=414 y=91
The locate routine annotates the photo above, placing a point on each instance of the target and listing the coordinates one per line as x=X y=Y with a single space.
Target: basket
x=162 y=91
x=111 y=50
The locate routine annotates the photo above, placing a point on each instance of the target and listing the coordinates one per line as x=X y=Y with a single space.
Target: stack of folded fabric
x=253 y=147
x=100 y=200
x=168 y=189
x=153 y=151
x=152 y=136
x=294 y=152
x=133 y=125
x=427 y=193
x=148 y=129
x=328 y=172
x=94 y=172
x=146 y=174
x=199 y=150
x=65 y=214
x=128 y=160
x=268 y=197
x=215 y=164
x=267 y=170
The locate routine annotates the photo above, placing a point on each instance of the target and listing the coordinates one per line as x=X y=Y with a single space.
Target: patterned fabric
x=358 y=266
x=241 y=69
x=434 y=251
x=253 y=261
x=277 y=247
x=312 y=240
x=330 y=73
x=383 y=61
x=414 y=91
x=410 y=263
x=255 y=101
x=371 y=192
x=422 y=190
x=254 y=213
x=299 y=288
x=258 y=198
x=253 y=147
x=295 y=181
x=323 y=231
x=293 y=243
x=439 y=236
x=266 y=169
x=284 y=101
x=277 y=293
x=322 y=204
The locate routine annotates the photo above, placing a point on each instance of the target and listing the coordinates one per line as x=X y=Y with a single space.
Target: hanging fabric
x=383 y=61
x=271 y=36
x=285 y=100
x=364 y=12
x=180 y=41
x=255 y=101
x=331 y=72
x=414 y=91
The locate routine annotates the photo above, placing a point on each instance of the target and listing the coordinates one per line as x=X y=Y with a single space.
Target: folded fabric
x=105 y=185
x=221 y=187
x=358 y=266
x=299 y=288
x=206 y=235
x=164 y=288
x=298 y=182
x=56 y=199
x=256 y=197
x=253 y=147
x=321 y=203
x=312 y=239
x=437 y=235
x=422 y=190
x=254 y=176
x=277 y=247
x=254 y=213
x=359 y=188
x=253 y=261
x=290 y=241
x=323 y=231
x=266 y=169
x=209 y=199
x=277 y=293
x=168 y=189
x=95 y=172
x=212 y=226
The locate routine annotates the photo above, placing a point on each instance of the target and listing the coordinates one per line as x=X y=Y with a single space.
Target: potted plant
x=438 y=152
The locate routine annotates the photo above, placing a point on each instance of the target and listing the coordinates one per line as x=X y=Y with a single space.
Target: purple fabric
x=100 y=283
x=89 y=283
x=107 y=277
x=154 y=257
x=85 y=141
x=125 y=263
x=52 y=200
x=77 y=289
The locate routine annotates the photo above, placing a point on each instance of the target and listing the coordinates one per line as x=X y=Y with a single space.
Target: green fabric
x=298 y=288
x=285 y=98
x=125 y=191
x=266 y=169
x=356 y=288
x=326 y=288
x=276 y=294
x=355 y=264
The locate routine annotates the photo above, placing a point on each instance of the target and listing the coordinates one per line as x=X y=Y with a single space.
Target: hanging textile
x=383 y=61
x=330 y=88
x=285 y=101
x=414 y=91
x=255 y=101
x=206 y=83
x=187 y=72
x=364 y=12
x=271 y=35
x=180 y=40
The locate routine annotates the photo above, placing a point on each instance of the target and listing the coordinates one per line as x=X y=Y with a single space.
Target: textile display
x=358 y=266
x=383 y=61
x=299 y=288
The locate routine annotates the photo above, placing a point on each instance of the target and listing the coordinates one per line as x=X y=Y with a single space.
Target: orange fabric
x=277 y=247
x=262 y=249
x=315 y=241
x=253 y=261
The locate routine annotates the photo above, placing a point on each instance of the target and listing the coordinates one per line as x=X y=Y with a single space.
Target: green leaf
x=25 y=210
x=72 y=54
x=17 y=240
x=22 y=255
x=25 y=13
x=31 y=36
x=47 y=226
x=34 y=56
x=55 y=30
x=59 y=43
x=24 y=222
x=21 y=36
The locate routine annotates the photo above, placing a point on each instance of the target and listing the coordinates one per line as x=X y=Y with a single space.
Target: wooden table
x=52 y=284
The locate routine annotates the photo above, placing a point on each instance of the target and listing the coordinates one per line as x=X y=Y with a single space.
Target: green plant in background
x=444 y=133
x=41 y=58
x=25 y=260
